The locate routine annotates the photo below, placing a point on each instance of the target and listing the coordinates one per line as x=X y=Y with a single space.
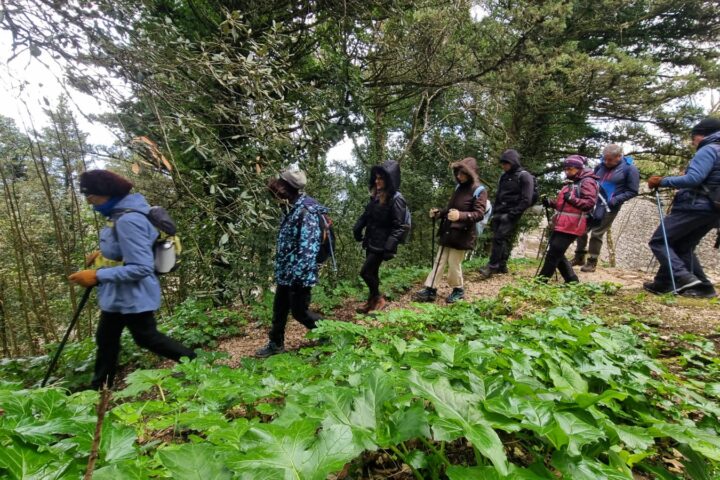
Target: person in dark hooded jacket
x=380 y=228
x=574 y=200
x=692 y=216
x=514 y=195
x=457 y=233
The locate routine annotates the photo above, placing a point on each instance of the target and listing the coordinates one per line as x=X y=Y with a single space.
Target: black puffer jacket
x=383 y=223
x=515 y=187
x=461 y=235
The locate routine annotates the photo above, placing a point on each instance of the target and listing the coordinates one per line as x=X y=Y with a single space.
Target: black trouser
x=143 y=328
x=684 y=232
x=503 y=227
x=558 y=244
x=291 y=299
x=370 y=272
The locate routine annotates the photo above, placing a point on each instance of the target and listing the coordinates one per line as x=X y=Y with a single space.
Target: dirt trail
x=670 y=315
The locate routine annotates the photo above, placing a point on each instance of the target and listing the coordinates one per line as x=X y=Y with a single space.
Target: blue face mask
x=107 y=207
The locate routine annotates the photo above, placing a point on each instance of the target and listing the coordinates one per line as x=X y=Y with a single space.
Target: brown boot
x=365 y=307
x=377 y=303
x=578 y=260
x=590 y=265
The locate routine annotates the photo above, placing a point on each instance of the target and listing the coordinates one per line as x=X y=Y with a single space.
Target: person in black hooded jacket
x=383 y=225
x=514 y=195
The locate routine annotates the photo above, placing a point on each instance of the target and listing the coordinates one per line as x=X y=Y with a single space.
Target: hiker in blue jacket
x=128 y=288
x=621 y=181
x=296 y=267
x=692 y=216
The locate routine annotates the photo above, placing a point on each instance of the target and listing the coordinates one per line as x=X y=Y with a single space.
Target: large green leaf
x=460 y=408
x=295 y=451
x=581 y=468
x=194 y=462
x=117 y=442
x=570 y=430
x=23 y=463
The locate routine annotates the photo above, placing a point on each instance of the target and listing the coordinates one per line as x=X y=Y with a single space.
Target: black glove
x=567 y=196
x=388 y=255
x=358 y=235
x=546 y=202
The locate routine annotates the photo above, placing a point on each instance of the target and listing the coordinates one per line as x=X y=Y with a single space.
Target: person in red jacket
x=575 y=199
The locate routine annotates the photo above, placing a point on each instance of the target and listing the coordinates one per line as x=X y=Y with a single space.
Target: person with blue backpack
x=620 y=180
x=695 y=211
x=299 y=242
x=457 y=232
x=127 y=283
x=383 y=225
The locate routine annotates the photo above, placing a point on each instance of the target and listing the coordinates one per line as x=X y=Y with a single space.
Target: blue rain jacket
x=132 y=287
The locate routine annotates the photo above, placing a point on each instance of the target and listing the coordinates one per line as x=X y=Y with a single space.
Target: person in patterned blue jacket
x=296 y=267
x=692 y=216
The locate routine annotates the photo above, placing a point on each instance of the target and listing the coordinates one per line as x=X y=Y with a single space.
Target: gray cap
x=296 y=178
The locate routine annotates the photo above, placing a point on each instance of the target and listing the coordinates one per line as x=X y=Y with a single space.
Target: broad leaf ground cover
x=436 y=392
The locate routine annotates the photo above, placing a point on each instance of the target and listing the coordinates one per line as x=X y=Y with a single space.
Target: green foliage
x=550 y=393
x=196 y=323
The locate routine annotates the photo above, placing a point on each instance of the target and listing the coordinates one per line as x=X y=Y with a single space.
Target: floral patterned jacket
x=298 y=244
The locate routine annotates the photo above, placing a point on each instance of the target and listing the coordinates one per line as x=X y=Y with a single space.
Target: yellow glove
x=453 y=215
x=84 y=278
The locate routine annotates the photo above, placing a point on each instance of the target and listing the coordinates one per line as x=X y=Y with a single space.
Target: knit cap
x=104 y=182
x=574 y=161
x=706 y=126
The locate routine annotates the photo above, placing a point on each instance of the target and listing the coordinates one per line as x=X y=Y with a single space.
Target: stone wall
x=631 y=232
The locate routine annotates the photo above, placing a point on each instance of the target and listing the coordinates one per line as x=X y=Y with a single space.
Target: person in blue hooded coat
x=296 y=266
x=380 y=228
x=692 y=216
x=129 y=291
x=621 y=181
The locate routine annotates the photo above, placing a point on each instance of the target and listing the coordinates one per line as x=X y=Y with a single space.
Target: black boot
x=269 y=350
x=427 y=294
x=578 y=260
x=455 y=295
x=590 y=266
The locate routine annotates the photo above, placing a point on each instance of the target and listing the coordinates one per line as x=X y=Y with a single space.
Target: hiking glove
x=90 y=258
x=434 y=212
x=654 y=182
x=388 y=255
x=567 y=196
x=453 y=215
x=546 y=202
x=84 y=278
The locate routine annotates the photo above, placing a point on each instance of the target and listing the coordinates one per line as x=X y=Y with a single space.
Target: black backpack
x=536 y=192
x=407 y=222
x=327 y=240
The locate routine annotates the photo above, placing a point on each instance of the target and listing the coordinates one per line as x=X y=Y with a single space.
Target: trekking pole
x=81 y=305
x=432 y=246
x=664 y=233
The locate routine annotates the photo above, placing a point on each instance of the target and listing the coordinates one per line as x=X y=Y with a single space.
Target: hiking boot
x=590 y=266
x=503 y=269
x=455 y=295
x=364 y=308
x=269 y=350
x=487 y=271
x=377 y=303
x=685 y=282
x=700 y=291
x=427 y=294
x=657 y=288
x=578 y=260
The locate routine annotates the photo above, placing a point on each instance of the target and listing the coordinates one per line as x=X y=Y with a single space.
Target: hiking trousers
x=503 y=227
x=291 y=299
x=558 y=244
x=143 y=329
x=684 y=232
x=596 y=237
x=370 y=272
x=452 y=258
